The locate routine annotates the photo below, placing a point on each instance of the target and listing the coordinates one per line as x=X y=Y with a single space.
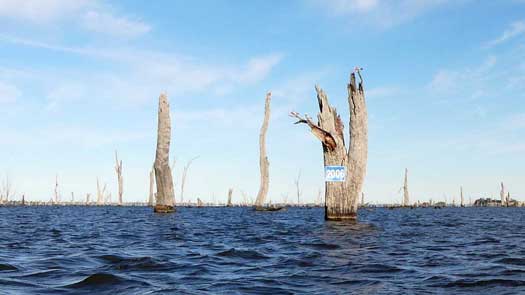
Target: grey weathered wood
x=57 y=196
x=230 y=193
x=461 y=196
x=165 y=202
x=342 y=198
x=263 y=158
x=120 y=180
x=502 y=194
x=298 y=191
x=406 y=200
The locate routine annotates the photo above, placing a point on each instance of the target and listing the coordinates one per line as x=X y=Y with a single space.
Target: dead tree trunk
x=461 y=195
x=118 y=169
x=184 y=175
x=165 y=194
x=342 y=198
x=362 y=199
x=263 y=159
x=199 y=202
x=230 y=192
x=56 y=190
x=502 y=194
x=406 y=200
x=298 y=188
x=100 y=194
x=151 y=200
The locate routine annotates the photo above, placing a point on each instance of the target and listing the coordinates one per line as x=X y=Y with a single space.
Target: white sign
x=334 y=173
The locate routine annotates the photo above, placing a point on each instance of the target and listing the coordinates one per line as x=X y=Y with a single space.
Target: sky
x=444 y=83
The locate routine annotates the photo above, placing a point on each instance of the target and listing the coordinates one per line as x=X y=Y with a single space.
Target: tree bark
x=118 y=169
x=263 y=159
x=462 y=199
x=165 y=202
x=502 y=194
x=342 y=198
x=230 y=192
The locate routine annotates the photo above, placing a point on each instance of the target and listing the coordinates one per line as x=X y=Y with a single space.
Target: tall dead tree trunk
x=118 y=169
x=151 y=199
x=342 y=198
x=263 y=159
x=502 y=194
x=230 y=192
x=57 y=197
x=406 y=199
x=165 y=202
x=298 y=188
x=100 y=194
x=462 y=199
x=184 y=175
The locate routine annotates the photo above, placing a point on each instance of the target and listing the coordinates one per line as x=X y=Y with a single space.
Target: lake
x=130 y=250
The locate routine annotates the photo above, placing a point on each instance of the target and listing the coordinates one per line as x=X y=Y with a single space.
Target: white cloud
x=102 y=22
x=93 y=16
x=8 y=93
x=40 y=11
x=515 y=29
x=383 y=13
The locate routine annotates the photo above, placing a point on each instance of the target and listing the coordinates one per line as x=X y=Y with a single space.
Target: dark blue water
x=130 y=250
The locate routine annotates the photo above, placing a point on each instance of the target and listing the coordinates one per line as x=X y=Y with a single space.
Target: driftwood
x=165 y=202
x=263 y=159
x=230 y=192
x=342 y=198
x=118 y=169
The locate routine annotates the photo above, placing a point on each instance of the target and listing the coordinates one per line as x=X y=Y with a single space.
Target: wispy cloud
x=102 y=22
x=515 y=29
x=95 y=16
x=382 y=13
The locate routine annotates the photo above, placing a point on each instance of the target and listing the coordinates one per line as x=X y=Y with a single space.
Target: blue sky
x=445 y=84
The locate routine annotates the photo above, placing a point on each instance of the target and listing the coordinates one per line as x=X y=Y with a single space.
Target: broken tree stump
x=165 y=202
x=342 y=198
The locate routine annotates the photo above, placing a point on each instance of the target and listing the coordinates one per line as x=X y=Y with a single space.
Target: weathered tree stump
x=406 y=200
x=165 y=202
x=230 y=192
x=120 y=180
x=263 y=159
x=342 y=198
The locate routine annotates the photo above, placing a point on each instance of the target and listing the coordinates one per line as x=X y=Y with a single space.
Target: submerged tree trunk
x=298 y=191
x=342 y=198
x=230 y=192
x=100 y=194
x=263 y=159
x=56 y=190
x=502 y=194
x=199 y=202
x=118 y=169
x=165 y=202
x=151 y=197
x=406 y=200
x=461 y=195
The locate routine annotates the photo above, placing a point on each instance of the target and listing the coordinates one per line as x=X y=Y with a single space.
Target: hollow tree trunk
x=118 y=169
x=230 y=192
x=342 y=198
x=263 y=159
x=165 y=195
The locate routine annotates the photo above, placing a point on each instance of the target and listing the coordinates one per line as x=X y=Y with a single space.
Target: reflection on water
x=111 y=250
